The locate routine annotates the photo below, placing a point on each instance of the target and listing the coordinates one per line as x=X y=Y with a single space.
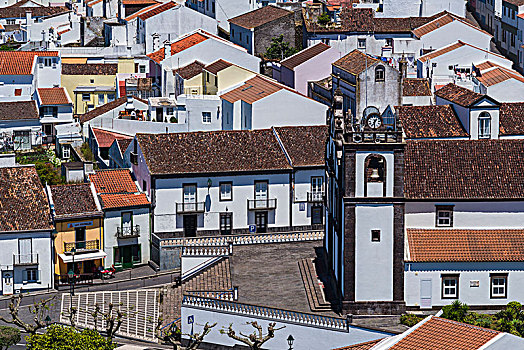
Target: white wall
x=453 y=31
x=468 y=215
x=112 y=220
x=510 y=90
x=374 y=260
x=315 y=69
x=306 y=337
x=170 y=191
x=41 y=245
x=360 y=169
x=302 y=187
x=469 y=271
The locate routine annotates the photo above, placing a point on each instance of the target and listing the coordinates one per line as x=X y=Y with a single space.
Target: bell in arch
x=374 y=174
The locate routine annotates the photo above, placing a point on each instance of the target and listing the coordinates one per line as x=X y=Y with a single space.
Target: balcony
x=190 y=208
x=128 y=232
x=261 y=204
x=82 y=246
x=25 y=259
x=315 y=197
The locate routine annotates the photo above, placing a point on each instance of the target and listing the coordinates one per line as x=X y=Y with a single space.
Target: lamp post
x=290 y=341
x=71 y=273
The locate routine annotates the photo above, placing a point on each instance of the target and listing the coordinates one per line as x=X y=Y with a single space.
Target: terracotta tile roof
x=511 y=118
x=18 y=110
x=123 y=144
x=105 y=108
x=431 y=245
x=305 y=145
x=113 y=181
x=178 y=46
x=515 y=2
x=139 y=2
x=17 y=11
x=355 y=62
x=497 y=74
x=53 y=96
x=190 y=71
x=217 y=66
x=72 y=201
x=442 y=21
x=362 y=346
x=252 y=90
x=260 y=16
x=143 y=10
x=20 y=62
x=157 y=10
x=453 y=47
x=464 y=169
x=304 y=55
x=89 y=69
x=430 y=122
x=90 y=4
x=443 y=334
x=459 y=95
x=23 y=202
x=416 y=87
x=212 y=152
x=123 y=200
x=65 y=30
x=105 y=138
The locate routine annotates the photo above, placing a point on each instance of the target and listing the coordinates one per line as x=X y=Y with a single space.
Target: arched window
x=484 y=125
x=375 y=176
x=380 y=73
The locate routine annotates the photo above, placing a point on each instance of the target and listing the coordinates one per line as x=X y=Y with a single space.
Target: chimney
x=28 y=18
x=167 y=49
x=156 y=42
x=129 y=103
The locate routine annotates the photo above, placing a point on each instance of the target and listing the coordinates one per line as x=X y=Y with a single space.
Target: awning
x=82 y=257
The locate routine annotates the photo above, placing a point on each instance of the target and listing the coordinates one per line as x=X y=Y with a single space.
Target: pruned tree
x=71 y=315
x=256 y=339
x=173 y=335
x=39 y=309
x=113 y=318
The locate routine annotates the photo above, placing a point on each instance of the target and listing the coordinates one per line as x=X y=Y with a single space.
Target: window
x=226 y=223
x=375 y=235
x=49 y=111
x=499 y=287
x=484 y=125
x=450 y=285
x=101 y=99
x=110 y=97
x=317 y=188
x=361 y=43
x=48 y=61
x=18 y=92
x=92 y=81
x=10 y=21
x=170 y=111
x=189 y=193
x=380 y=74
x=261 y=194
x=141 y=68
x=389 y=42
x=31 y=275
x=226 y=191
x=512 y=39
x=66 y=152
x=206 y=117
x=86 y=97
x=444 y=217
x=232 y=32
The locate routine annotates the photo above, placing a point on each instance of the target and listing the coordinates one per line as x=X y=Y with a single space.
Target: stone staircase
x=314 y=293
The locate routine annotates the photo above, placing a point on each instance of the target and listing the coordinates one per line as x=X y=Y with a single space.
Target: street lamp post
x=290 y=341
x=71 y=273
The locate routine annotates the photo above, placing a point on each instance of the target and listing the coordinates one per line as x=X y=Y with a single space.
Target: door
x=261 y=221
x=190 y=225
x=316 y=215
x=127 y=223
x=127 y=256
x=80 y=237
x=189 y=197
x=24 y=250
x=261 y=194
x=226 y=223
x=7 y=282
x=425 y=294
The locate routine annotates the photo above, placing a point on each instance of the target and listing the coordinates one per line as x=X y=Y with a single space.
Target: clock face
x=374 y=122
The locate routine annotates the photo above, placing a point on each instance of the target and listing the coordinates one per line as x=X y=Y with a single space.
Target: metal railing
x=315 y=197
x=82 y=245
x=259 y=238
x=256 y=311
x=191 y=207
x=261 y=204
x=128 y=232
x=25 y=259
x=82 y=278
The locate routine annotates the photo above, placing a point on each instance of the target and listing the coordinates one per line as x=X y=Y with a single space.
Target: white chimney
x=156 y=42
x=129 y=103
x=28 y=18
x=167 y=49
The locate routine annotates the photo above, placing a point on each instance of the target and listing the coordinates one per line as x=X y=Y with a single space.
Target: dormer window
x=380 y=74
x=484 y=125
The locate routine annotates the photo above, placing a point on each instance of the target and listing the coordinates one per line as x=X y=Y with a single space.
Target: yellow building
x=91 y=85
x=79 y=233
